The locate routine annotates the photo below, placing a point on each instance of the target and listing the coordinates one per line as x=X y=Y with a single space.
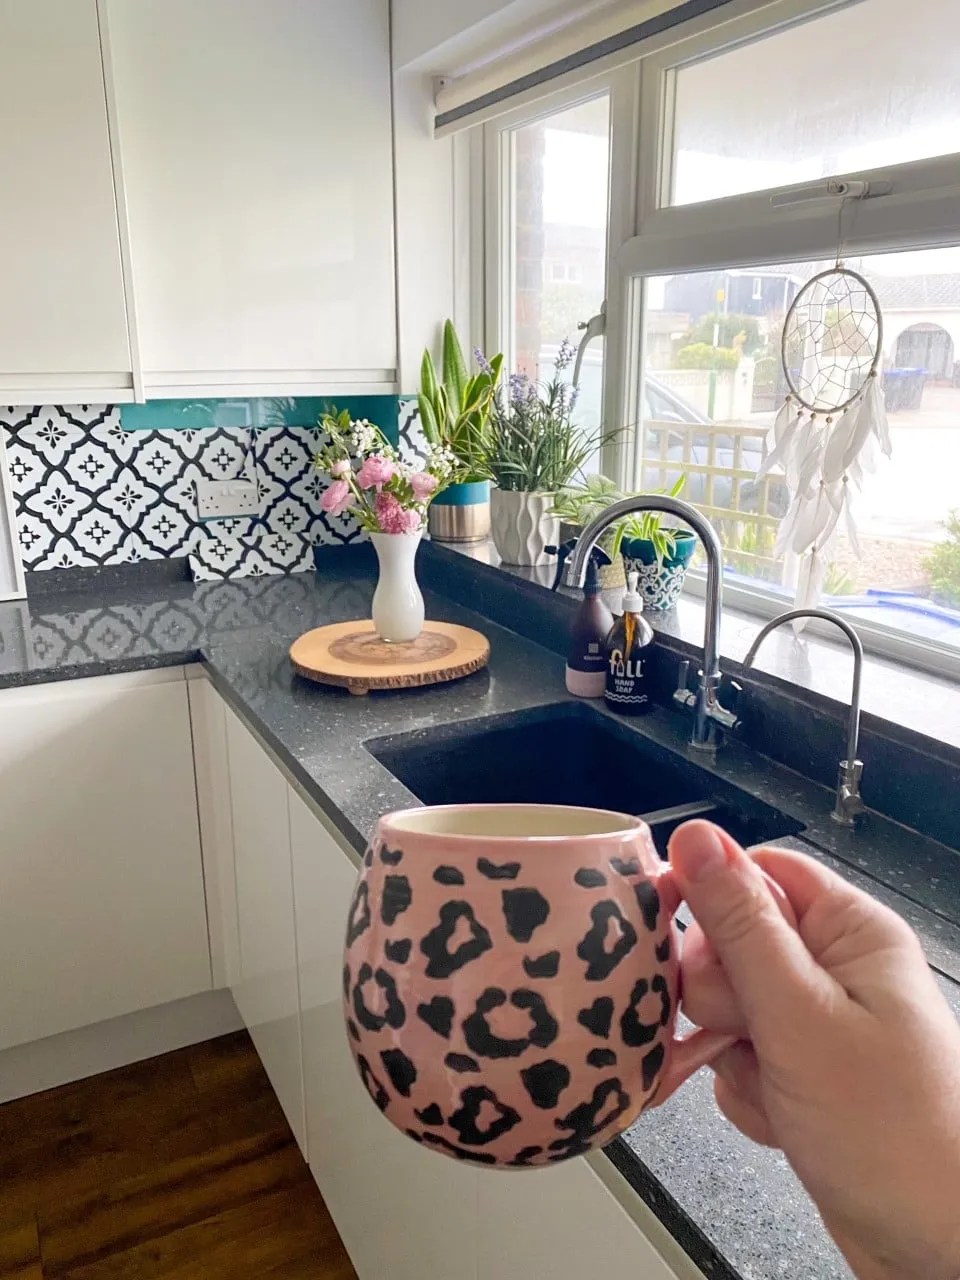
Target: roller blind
x=601 y=42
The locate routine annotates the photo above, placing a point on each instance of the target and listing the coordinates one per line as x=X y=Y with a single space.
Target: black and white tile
x=88 y=493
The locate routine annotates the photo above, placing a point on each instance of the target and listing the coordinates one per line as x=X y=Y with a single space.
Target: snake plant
x=455 y=407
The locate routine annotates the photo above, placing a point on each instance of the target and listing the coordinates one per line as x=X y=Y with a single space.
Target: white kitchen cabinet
x=561 y=1224
x=208 y=715
x=401 y=1211
x=63 y=327
x=102 y=902
x=266 y=989
x=255 y=141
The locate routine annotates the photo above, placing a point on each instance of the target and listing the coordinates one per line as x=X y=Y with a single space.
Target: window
x=873 y=83
x=556 y=241
x=722 y=204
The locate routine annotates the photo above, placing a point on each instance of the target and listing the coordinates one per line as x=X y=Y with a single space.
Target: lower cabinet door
x=266 y=989
x=559 y=1224
x=101 y=884
x=402 y=1212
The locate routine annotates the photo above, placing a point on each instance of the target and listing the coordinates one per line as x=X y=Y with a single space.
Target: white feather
x=877 y=407
x=842 y=433
x=784 y=437
x=809 y=586
x=852 y=530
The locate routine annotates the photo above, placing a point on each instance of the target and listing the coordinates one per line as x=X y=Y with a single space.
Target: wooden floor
x=182 y=1167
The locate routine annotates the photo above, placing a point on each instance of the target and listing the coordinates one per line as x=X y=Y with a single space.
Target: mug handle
x=700 y=1048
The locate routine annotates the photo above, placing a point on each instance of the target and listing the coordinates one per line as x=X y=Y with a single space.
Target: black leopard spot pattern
x=590 y=878
x=508 y=870
x=395 y=899
x=441 y=962
x=663 y=950
x=394 y=1015
x=448 y=875
x=524 y=910
x=626 y=867
x=598 y=1018
x=398 y=952
x=649 y=902
x=462 y=1063
x=485 y=1044
x=545 y=1082
x=652 y=1062
x=636 y=1033
x=601 y=1058
x=458 y=1153
x=372 y=1085
x=601 y=962
x=354 y=1030
x=585 y=1121
x=400 y=1069
x=466 y=1119
x=391 y=857
x=358 y=921
x=430 y=1115
x=543 y=966
x=438 y=1015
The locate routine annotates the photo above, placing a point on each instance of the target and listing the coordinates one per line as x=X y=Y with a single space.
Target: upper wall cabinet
x=63 y=329
x=256 y=155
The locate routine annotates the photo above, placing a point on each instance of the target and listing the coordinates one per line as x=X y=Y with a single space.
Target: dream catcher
x=826 y=434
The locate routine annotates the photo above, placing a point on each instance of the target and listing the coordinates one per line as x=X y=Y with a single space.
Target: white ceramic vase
x=523 y=527
x=398 y=611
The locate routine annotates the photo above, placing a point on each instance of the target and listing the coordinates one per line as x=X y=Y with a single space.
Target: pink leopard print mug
x=511 y=981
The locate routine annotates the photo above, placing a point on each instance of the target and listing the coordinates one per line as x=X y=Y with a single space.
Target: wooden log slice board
x=352 y=656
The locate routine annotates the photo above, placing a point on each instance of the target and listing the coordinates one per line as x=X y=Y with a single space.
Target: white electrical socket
x=226 y=499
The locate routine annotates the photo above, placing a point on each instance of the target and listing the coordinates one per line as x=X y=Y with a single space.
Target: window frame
x=912 y=206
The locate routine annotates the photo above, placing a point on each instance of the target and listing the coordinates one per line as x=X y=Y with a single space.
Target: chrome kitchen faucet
x=709 y=716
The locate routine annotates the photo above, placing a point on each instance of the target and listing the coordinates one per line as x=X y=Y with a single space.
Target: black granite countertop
x=736 y=1208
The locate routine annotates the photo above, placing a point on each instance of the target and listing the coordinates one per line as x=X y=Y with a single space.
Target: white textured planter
x=522 y=526
x=398 y=611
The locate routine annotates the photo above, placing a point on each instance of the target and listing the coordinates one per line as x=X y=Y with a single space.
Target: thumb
x=772 y=973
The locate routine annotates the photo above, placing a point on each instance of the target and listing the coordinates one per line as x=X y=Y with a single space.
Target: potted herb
x=455 y=415
x=660 y=556
x=534 y=450
x=389 y=498
x=578 y=504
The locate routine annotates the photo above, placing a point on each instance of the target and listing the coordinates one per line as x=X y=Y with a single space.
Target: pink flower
x=337 y=498
x=423 y=484
x=340 y=468
x=394 y=517
x=375 y=472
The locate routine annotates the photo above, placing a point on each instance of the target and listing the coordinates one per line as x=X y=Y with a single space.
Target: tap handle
x=683 y=675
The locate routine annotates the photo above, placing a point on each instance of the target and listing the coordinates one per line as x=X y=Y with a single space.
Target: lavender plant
x=533 y=444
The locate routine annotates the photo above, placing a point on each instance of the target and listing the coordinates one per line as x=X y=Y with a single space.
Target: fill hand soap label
x=626 y=650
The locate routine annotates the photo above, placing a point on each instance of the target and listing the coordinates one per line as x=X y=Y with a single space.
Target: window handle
x=595 y=327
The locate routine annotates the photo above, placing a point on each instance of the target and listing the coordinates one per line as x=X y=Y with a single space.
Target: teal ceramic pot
x=659 y=584
x=461 y=513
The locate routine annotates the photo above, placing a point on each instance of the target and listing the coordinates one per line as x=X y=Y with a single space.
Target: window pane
x=560 y=180
x=872 y=84
x=714 y=382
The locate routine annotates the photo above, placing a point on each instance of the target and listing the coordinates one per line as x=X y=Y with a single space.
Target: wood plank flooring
x=182 y=1167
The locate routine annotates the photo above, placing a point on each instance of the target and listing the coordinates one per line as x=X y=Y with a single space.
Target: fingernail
x=700 y=849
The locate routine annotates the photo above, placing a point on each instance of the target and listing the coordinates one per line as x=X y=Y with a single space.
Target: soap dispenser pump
x=586 y=672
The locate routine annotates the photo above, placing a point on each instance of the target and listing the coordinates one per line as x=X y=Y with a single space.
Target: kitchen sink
x=572 y=754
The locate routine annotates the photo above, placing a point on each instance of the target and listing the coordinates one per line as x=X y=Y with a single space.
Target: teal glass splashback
x=292 y=411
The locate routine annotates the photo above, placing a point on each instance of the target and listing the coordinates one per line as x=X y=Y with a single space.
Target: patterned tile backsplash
x=89 y=493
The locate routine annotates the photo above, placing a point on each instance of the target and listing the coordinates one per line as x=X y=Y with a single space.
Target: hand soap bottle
x=586 y=657
x=627 y=646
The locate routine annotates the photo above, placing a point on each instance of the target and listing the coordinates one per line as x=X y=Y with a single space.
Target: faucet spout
x=849 y=807
x=709 y=715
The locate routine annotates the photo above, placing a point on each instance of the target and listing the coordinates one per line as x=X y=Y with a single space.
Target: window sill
x=894 y=694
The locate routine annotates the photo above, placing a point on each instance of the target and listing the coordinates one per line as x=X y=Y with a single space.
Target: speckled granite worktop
x=736 y=1208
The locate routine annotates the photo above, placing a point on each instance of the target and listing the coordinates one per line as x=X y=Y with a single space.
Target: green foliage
x=700 y=355
x=733 y=326
x=455 y=412
x=943 y=563
x=648 y=526
x=534 y=444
